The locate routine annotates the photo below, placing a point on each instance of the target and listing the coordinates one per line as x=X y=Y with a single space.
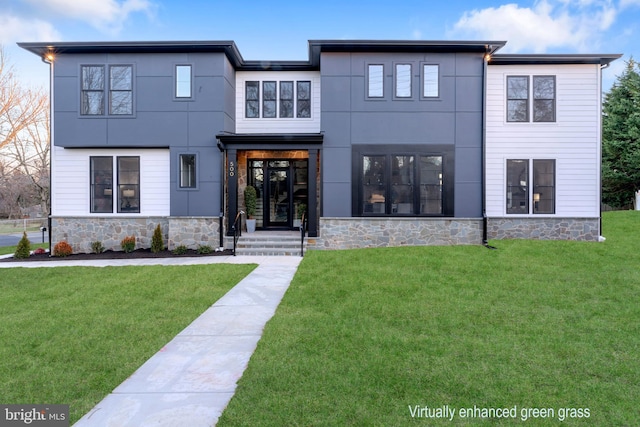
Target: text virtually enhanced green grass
x=70 y=335
x=533 y=333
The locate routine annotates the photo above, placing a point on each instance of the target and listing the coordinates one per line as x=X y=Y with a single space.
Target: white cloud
x=14 y=29
x=549 y=24
x=105 y=15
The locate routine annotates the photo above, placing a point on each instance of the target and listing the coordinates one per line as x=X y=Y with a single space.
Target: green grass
x=362 y=336
x=6 y=250
x=70 y=335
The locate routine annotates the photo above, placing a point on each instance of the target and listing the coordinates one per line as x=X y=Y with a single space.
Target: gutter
x=485 y=61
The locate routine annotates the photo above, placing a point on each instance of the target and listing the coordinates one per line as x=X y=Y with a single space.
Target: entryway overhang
x=231 y=143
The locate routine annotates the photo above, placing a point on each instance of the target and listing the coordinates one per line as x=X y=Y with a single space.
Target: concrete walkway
x=191 y=380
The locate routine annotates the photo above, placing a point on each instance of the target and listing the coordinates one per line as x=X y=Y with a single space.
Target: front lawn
x=70 y=335
x=549 y=331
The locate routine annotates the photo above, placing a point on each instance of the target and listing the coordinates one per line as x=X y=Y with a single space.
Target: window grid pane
x=517 y=186
x=101 y=184
x=92 y=98
x=187 y=171
x=128 y=184
x=544 y=186
x=431 y=185
x=544 y=94
x=402 y=172
x=269 y=99
x=517 y=98
x=430 y=81
x=375 y=81
x=303 y=108
x=286 y=99
x=121 y=93
x=403 y=80
x=183 y=81
x=252 y=98
x=374 y=185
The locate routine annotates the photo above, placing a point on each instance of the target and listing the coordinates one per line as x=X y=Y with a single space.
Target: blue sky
x=279 y=30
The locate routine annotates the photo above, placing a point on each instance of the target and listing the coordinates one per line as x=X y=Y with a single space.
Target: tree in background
x=24 y=144
x=621 y=139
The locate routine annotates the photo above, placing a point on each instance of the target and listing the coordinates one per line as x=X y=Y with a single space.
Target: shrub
x=39 y=251
x=180 y=250
x=96 y=247
x=62 y=249
x=157 y=245
x=128 y=244
x=205 y=249
x=23 y=250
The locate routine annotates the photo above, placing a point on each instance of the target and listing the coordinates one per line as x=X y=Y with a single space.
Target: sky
x=280 y=30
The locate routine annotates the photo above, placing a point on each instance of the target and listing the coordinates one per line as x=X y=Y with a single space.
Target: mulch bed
x=139 y=253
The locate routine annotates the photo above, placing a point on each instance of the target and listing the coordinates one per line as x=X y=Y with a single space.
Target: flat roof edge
x=515 y=59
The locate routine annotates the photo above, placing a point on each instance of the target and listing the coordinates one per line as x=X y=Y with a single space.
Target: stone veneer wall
x=79 y=232
x=544 y=228
x=350 y=233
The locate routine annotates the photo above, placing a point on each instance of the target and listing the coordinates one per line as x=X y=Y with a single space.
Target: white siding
x=71 y=181
x=277 y=125
x=573 y=140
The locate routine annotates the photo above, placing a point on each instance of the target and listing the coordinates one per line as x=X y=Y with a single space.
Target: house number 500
x=232 y=169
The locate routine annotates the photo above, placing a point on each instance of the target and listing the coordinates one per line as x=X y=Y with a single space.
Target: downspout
x=485 y=61
x=600 y=237
x=48 y=58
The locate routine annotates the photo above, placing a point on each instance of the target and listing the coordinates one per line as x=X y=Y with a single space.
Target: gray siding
x=349 y=118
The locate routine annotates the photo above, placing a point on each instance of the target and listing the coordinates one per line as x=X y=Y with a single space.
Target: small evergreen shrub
x=97 y=247
x=128 y=244
x=180 y=250
x=62 y=249
x=205 y=249
x=23 y=250
x=157 y=245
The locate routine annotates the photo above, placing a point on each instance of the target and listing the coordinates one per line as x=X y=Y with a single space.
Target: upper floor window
x=94 y=87
x=519 y=99
x=273 y=99
x=403 y=81
x=375 y=78
x=430 y=81
x=183 y=81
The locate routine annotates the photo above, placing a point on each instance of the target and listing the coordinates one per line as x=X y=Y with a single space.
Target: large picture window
x=522 y=178
x=410 y=183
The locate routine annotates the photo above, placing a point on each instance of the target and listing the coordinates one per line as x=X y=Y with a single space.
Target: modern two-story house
x=381 y=143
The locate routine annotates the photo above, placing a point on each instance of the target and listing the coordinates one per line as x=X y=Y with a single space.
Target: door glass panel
x=256 y=178
x=402 y=185
x=374 y=183
x=279 y=200
x=431 y=185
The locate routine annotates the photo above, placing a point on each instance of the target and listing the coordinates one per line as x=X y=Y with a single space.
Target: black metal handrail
x=237 y=231
x=303 y=227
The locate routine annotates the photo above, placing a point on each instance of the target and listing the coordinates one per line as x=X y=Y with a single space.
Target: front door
x=278 y=198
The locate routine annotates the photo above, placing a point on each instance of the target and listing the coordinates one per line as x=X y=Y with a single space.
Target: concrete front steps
x=271 y=243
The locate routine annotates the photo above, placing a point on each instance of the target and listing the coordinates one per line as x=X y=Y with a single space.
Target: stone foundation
x=79 y=232
x=586 y=229
x=351 y=233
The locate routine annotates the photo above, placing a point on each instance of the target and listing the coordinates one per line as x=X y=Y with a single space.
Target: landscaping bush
x=40 y=251
x=23 y=250
x=157 y=245
x=180 y=250
x=128 y=244
x=97 y=247
x=62 y=249
x=205 y=249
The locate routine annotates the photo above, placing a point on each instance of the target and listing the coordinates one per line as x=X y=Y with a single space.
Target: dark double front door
x=281 y=186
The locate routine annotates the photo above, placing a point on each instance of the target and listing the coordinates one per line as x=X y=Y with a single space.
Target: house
x=382 y=143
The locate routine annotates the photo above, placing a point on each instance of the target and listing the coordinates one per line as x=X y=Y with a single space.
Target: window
x=430 y=81
x=121 y=89
x=128 y=184
x=286 y=99
x=375 y=80
x=517 y=99
x=519 y=197
x=403 y=80
x=187 y=171
x=304 y=100
x=269 y=99
x=183 y=81
x=543 y=99
x=92 y=93
x=101 y=184
x=252 y=97
x=396 y=184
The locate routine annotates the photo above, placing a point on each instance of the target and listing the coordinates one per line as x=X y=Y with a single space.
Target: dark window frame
x=286 y=104
x=534 y=98
x=424 y=81
x=370 y=83
x=128 y=202
x=389 y=151
x=512 y=98
x=101 y=186
x=177 y=94
x=529 y=183
x=269 y=99
x=396 y=81
x=86 y=91
x=191 y=176
x=253 y=102
x=120 y=91
x=300 y=101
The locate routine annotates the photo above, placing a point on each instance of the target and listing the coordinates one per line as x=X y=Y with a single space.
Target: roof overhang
x=554 y=59
x=271 y=141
